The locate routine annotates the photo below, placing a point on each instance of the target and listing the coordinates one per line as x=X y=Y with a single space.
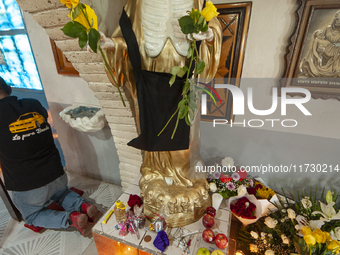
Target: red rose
x=242 y=173
x=251 y=191
x=134 y=200
x=225 y=178
x=244 y=208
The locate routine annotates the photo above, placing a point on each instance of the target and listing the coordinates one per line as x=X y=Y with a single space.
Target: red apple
x=208 y=235
x=221 y=241
x=211 y=211
x=208 y=221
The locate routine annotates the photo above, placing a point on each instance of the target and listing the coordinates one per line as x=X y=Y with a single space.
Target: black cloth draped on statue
x=157 y=101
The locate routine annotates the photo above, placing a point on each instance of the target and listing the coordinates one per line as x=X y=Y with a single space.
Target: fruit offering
x=217 y=252
x=208 y=221
x=208 y=235
x=211 y=211
x=203 y=251
x=221 y=241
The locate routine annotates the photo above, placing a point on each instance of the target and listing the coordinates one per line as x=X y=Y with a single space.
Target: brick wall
x=52 y=16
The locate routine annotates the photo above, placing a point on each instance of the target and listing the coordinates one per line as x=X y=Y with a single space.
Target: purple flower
x=235 y=177
x=230 y=186
x=217 y=175
x=209 y=179
x=251 y=182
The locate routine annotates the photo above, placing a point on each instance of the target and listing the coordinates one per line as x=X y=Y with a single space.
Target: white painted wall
x=91 y=154
x=315 y=139
x=271 y=25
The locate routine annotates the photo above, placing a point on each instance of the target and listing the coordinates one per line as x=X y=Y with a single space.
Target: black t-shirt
x=28 y=156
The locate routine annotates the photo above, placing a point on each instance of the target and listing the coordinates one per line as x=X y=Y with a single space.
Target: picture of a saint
x=322 y=59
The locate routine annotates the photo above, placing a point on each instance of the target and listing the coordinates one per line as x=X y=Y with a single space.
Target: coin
x=147 y=238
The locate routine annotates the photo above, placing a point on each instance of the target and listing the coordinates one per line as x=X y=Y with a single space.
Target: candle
x=239 y=252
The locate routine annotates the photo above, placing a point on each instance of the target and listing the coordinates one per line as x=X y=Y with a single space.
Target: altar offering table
x=108 y=241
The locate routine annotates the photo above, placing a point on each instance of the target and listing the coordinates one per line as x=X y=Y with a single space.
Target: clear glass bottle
x=119 y=211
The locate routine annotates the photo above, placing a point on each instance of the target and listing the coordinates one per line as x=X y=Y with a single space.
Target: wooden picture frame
x=64 y=66
x=312 y=52
x=234 y=19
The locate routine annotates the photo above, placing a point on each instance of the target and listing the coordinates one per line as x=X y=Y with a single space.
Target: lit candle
x=239 y=253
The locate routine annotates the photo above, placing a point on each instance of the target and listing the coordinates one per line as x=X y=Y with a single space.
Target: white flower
x=283 y=210
x=332 y=235
x=263 y=234
x=291 y=214
x=328 y=212
x=270 y=222
x=285 y=239
x=269 y=252
x=227 y=162
x=265 y=241
x=241 y=190
x=212 y=187
x=253 y=248
x=306 y=203
x=270 y=235
x=303 y=222
x=254 y=234
x=337 y=233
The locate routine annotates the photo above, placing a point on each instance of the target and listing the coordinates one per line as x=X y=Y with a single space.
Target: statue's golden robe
x=171 y=164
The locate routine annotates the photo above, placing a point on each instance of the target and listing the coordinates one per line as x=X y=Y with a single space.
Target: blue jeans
x=32 y=204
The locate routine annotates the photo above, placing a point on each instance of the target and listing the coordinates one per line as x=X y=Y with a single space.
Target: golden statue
x=166 y=182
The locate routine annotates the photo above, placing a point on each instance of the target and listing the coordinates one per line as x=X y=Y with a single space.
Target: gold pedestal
x=181 y=205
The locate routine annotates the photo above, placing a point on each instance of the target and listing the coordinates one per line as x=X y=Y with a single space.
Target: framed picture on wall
x=234 y=19
x=313 y=53
x=64 y=66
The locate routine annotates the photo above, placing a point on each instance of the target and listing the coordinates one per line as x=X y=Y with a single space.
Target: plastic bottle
x=119 y=210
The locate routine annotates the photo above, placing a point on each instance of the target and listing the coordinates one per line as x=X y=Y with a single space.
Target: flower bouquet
x=246 y=209
x=309 y=226
x=228 y=179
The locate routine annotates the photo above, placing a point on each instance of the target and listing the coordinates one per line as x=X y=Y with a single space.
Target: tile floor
x=15 y=239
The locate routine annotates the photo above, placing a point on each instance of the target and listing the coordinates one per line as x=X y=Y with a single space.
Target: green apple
x=203 y=251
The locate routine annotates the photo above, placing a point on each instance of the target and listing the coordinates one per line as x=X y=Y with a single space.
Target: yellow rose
x=309 y=239
x=328 y=237
x=334 y=246
x=319 y=235
x=70 y=3
x=92 y=18
x=306 y=231
x=209 y=11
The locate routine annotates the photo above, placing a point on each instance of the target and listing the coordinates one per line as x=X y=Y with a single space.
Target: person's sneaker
x=81 y=222
x=91 y=211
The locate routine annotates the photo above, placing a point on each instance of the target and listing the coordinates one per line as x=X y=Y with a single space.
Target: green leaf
x=94 y=37
x=190 y=52
x=183 y=111
x=182 y=71
x=193 y=104
x=204 y=27
x=200 y=66
x=187 y=120
x=73 y=29
x=182 y=103
x=187 y=24
x=172 y=80
x=76 y=11
x=175 y=70
x=200 y=20
x=82 y=39
x=191 y=115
